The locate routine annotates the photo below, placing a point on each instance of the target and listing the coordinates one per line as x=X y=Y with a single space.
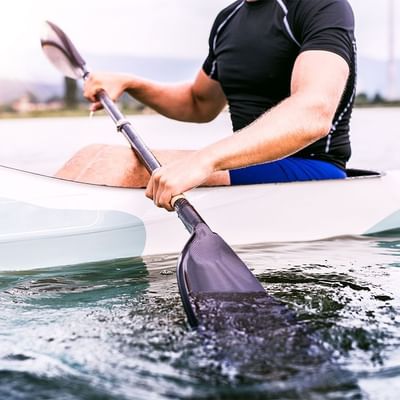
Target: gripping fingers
x=150 y=186
x=90 y=89
x=96 y=106
x=165 y=200
x=162 y=194
x=158 y=190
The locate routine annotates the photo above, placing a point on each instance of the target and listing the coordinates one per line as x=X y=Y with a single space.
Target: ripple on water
x=117 y=330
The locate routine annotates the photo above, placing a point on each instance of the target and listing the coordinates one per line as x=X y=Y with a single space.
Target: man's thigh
x=114 y=165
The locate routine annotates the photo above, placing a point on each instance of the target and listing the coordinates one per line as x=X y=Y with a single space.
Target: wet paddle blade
x=208 y=265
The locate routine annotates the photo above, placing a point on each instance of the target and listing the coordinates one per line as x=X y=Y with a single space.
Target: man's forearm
x=173 y=101
x=199 y=101
x=295 y=123
x=287 y=128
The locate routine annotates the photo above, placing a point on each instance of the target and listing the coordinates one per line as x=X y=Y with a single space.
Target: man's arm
x=199 y=101
x=318 y=82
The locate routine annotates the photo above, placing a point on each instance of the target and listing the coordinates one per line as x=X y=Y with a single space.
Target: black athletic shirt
x=253 y=47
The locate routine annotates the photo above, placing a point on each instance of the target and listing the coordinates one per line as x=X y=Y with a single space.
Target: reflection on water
x=117 y=330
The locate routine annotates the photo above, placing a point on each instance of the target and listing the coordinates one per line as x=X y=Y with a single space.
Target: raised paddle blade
x=208 y=266
x=61 y=52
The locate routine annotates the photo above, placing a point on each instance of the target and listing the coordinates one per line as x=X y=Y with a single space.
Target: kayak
x=48 y=221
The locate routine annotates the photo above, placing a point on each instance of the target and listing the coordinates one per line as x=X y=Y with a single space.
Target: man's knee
x=113 y=165
x=105 y=165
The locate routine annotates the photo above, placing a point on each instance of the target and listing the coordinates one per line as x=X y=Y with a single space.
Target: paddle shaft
x=207 y=264
x=186 y=212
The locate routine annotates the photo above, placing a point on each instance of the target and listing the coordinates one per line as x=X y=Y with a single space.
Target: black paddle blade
x=209 y=266
x=61 y=52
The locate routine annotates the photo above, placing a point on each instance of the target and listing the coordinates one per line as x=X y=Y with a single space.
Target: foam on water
x=117 y=330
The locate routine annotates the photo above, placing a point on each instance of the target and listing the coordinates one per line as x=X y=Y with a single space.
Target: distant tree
x=70 y=93
x=32 y=97
x=378 y=98
x=53 y=98
x=362 y=98
x=7 y=108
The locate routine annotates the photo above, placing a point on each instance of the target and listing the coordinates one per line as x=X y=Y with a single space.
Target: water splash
x=117 y=330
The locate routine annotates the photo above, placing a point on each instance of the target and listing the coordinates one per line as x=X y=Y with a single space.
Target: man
x=287 y=69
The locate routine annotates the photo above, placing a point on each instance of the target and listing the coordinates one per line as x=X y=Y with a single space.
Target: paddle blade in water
x=208 y=265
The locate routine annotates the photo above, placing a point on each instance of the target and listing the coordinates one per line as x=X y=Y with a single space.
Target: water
x=117 y=330
x=44 y=145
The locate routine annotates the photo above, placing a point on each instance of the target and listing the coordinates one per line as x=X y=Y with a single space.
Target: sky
x=171 y=28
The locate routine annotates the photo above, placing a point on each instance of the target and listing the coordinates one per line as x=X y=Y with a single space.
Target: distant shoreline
x=83 y=112
x=61 y=114
x=394 y=104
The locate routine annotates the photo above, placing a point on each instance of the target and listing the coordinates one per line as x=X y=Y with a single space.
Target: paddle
x=208 y=267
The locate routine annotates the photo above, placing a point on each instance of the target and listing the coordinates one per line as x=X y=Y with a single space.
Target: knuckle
x=164 y=181
x=156 y=174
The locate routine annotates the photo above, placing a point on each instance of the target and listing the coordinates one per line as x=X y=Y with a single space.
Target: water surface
x=44 y=145
x=116 y=330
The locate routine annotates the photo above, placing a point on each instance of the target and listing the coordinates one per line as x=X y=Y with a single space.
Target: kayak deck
x=51 y=222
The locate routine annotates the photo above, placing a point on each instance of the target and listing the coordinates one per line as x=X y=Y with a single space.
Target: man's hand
x=198 y=101
x=113 y=84
x=178 y=177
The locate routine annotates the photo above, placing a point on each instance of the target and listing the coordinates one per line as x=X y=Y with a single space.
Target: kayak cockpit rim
x=362 y=173
x=352 y=174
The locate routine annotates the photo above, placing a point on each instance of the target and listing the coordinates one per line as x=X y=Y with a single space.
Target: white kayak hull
x=50 y=222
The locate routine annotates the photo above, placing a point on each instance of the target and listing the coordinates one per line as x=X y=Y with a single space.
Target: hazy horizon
x=155 y=28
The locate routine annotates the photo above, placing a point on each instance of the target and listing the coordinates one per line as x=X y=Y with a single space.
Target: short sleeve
x=325 y=25
x=209 y=65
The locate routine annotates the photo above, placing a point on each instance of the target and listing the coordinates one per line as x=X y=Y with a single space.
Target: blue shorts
x=291 y=169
